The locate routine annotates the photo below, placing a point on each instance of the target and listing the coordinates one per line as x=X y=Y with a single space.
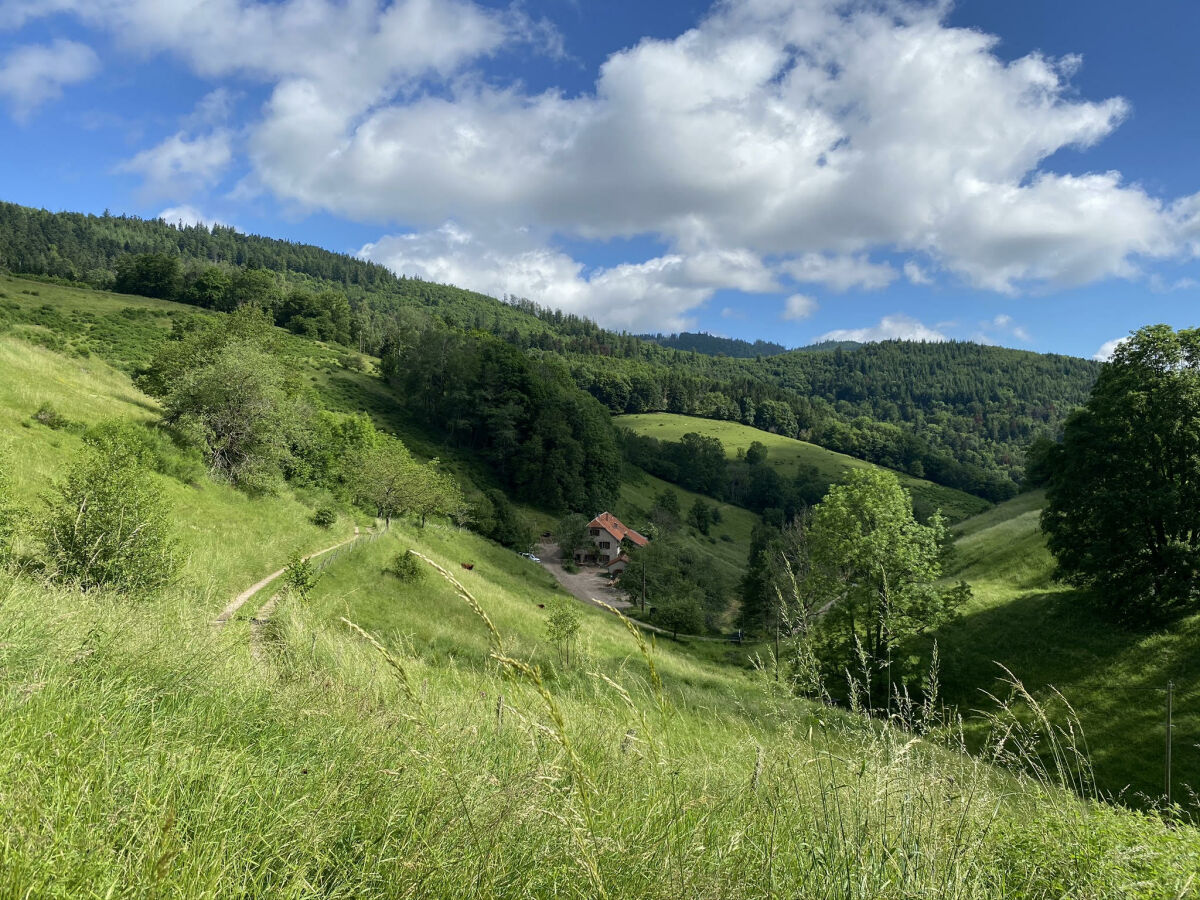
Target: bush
x=406 y=568
x=300 y=576
x=50 y=417
x=562 y=628
x=354 y=362
x=325 y=516
x=106 y=525
x=154 y=446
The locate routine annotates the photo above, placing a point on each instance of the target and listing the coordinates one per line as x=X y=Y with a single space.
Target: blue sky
x=1019 y=172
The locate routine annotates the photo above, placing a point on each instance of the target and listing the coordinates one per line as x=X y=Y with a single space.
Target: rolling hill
x=1050 y=638
x=789 y=455
x=144 y=751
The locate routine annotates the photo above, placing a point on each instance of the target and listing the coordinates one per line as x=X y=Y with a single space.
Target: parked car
x=530 y=556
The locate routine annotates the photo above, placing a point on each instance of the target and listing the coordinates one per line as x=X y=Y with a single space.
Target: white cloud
x=181 y=163
x=841 y=272
x=1005 y=325
x=897 y=327
x=188 y=215
x=916 y=275
x=1104 y=354
x=797 y=307
x=36 y=73
x=731 y=312
x=651 y=295
x=773 y=139
x=212 y=110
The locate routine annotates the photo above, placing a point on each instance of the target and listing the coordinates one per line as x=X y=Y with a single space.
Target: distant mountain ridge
x=958 y=413
x=715 y=345
x=736 y=348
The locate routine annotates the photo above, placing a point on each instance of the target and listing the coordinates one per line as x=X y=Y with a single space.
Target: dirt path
x=240 y=600
x=590 y=587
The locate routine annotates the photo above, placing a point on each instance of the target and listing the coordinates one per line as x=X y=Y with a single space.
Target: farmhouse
x=609 y=537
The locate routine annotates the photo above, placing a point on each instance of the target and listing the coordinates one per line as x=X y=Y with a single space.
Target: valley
x=285 y=751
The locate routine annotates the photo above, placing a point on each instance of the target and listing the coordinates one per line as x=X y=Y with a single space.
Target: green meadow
x=788 y=455
x=388 y=738
x=1050 y=637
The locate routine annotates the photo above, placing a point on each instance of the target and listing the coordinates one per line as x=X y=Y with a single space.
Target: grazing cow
x=468 y=566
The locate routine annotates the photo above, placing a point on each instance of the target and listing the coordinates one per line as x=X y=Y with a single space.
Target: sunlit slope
x=728 y=541
x=144 y=752
x=1049 y=635
x=788 y=455
x=230 y=539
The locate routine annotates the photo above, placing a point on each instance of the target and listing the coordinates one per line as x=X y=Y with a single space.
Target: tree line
x=958 y=414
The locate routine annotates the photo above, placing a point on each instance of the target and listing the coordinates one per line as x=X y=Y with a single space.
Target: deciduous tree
x=1123 y=486
x=873 y=571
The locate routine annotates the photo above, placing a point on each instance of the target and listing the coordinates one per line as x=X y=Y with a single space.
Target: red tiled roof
x=617 y=529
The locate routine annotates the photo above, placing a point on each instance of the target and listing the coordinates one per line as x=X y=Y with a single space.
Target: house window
x=595 y=532
x=604 y=545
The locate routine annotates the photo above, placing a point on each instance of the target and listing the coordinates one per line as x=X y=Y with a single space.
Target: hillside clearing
x=788 y=455
x=1048 y=635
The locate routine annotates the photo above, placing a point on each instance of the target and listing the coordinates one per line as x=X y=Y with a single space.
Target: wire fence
x=1143 y=740
x=325 y=560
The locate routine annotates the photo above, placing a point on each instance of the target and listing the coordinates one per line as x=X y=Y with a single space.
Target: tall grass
x=148 y=755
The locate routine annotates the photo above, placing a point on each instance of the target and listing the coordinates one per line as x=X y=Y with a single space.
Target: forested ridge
x=715 y=345
x=960 y=414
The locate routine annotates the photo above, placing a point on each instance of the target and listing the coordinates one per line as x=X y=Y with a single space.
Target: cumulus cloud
x=897 y=327
x=772 y=142
x=188 y=215
x=1104 y=354
x=1000 y=328
x=36 y=73
x=651 y=295
x=181 y=163
x=797 y=307
x=916 y=275
x=841 y=273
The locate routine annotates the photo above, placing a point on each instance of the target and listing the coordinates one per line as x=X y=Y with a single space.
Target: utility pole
x=1167 y=773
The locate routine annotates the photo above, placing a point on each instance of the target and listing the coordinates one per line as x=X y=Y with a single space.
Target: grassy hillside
x=1047 y=634
x=228 y=538
x=144 y=752
x=125 y=331
x=727 y=542
x=789 y=454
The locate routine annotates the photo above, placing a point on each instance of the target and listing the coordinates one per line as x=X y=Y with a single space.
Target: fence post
x=1167 y=767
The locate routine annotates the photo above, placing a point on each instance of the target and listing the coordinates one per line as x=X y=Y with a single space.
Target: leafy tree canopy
x=1123 y=486
x=872 y=573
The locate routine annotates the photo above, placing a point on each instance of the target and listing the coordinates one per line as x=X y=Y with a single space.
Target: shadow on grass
x=1114 y=678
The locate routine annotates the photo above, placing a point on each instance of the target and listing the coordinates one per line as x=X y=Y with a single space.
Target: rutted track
x=241 y=599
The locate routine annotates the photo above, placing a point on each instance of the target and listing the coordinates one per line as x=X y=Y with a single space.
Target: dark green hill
x=959 y=414
x=714 y=345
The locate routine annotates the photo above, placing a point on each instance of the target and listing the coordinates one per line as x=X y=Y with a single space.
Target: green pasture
x=788 y=455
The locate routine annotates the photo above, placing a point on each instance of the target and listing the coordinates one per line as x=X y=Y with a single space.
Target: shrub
x=300 y=576
x=406 y=568
x=154 y=446
x=562 y=628
x=106 y=525
x=50 y=417
x=354 y=362
x=325 y=516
